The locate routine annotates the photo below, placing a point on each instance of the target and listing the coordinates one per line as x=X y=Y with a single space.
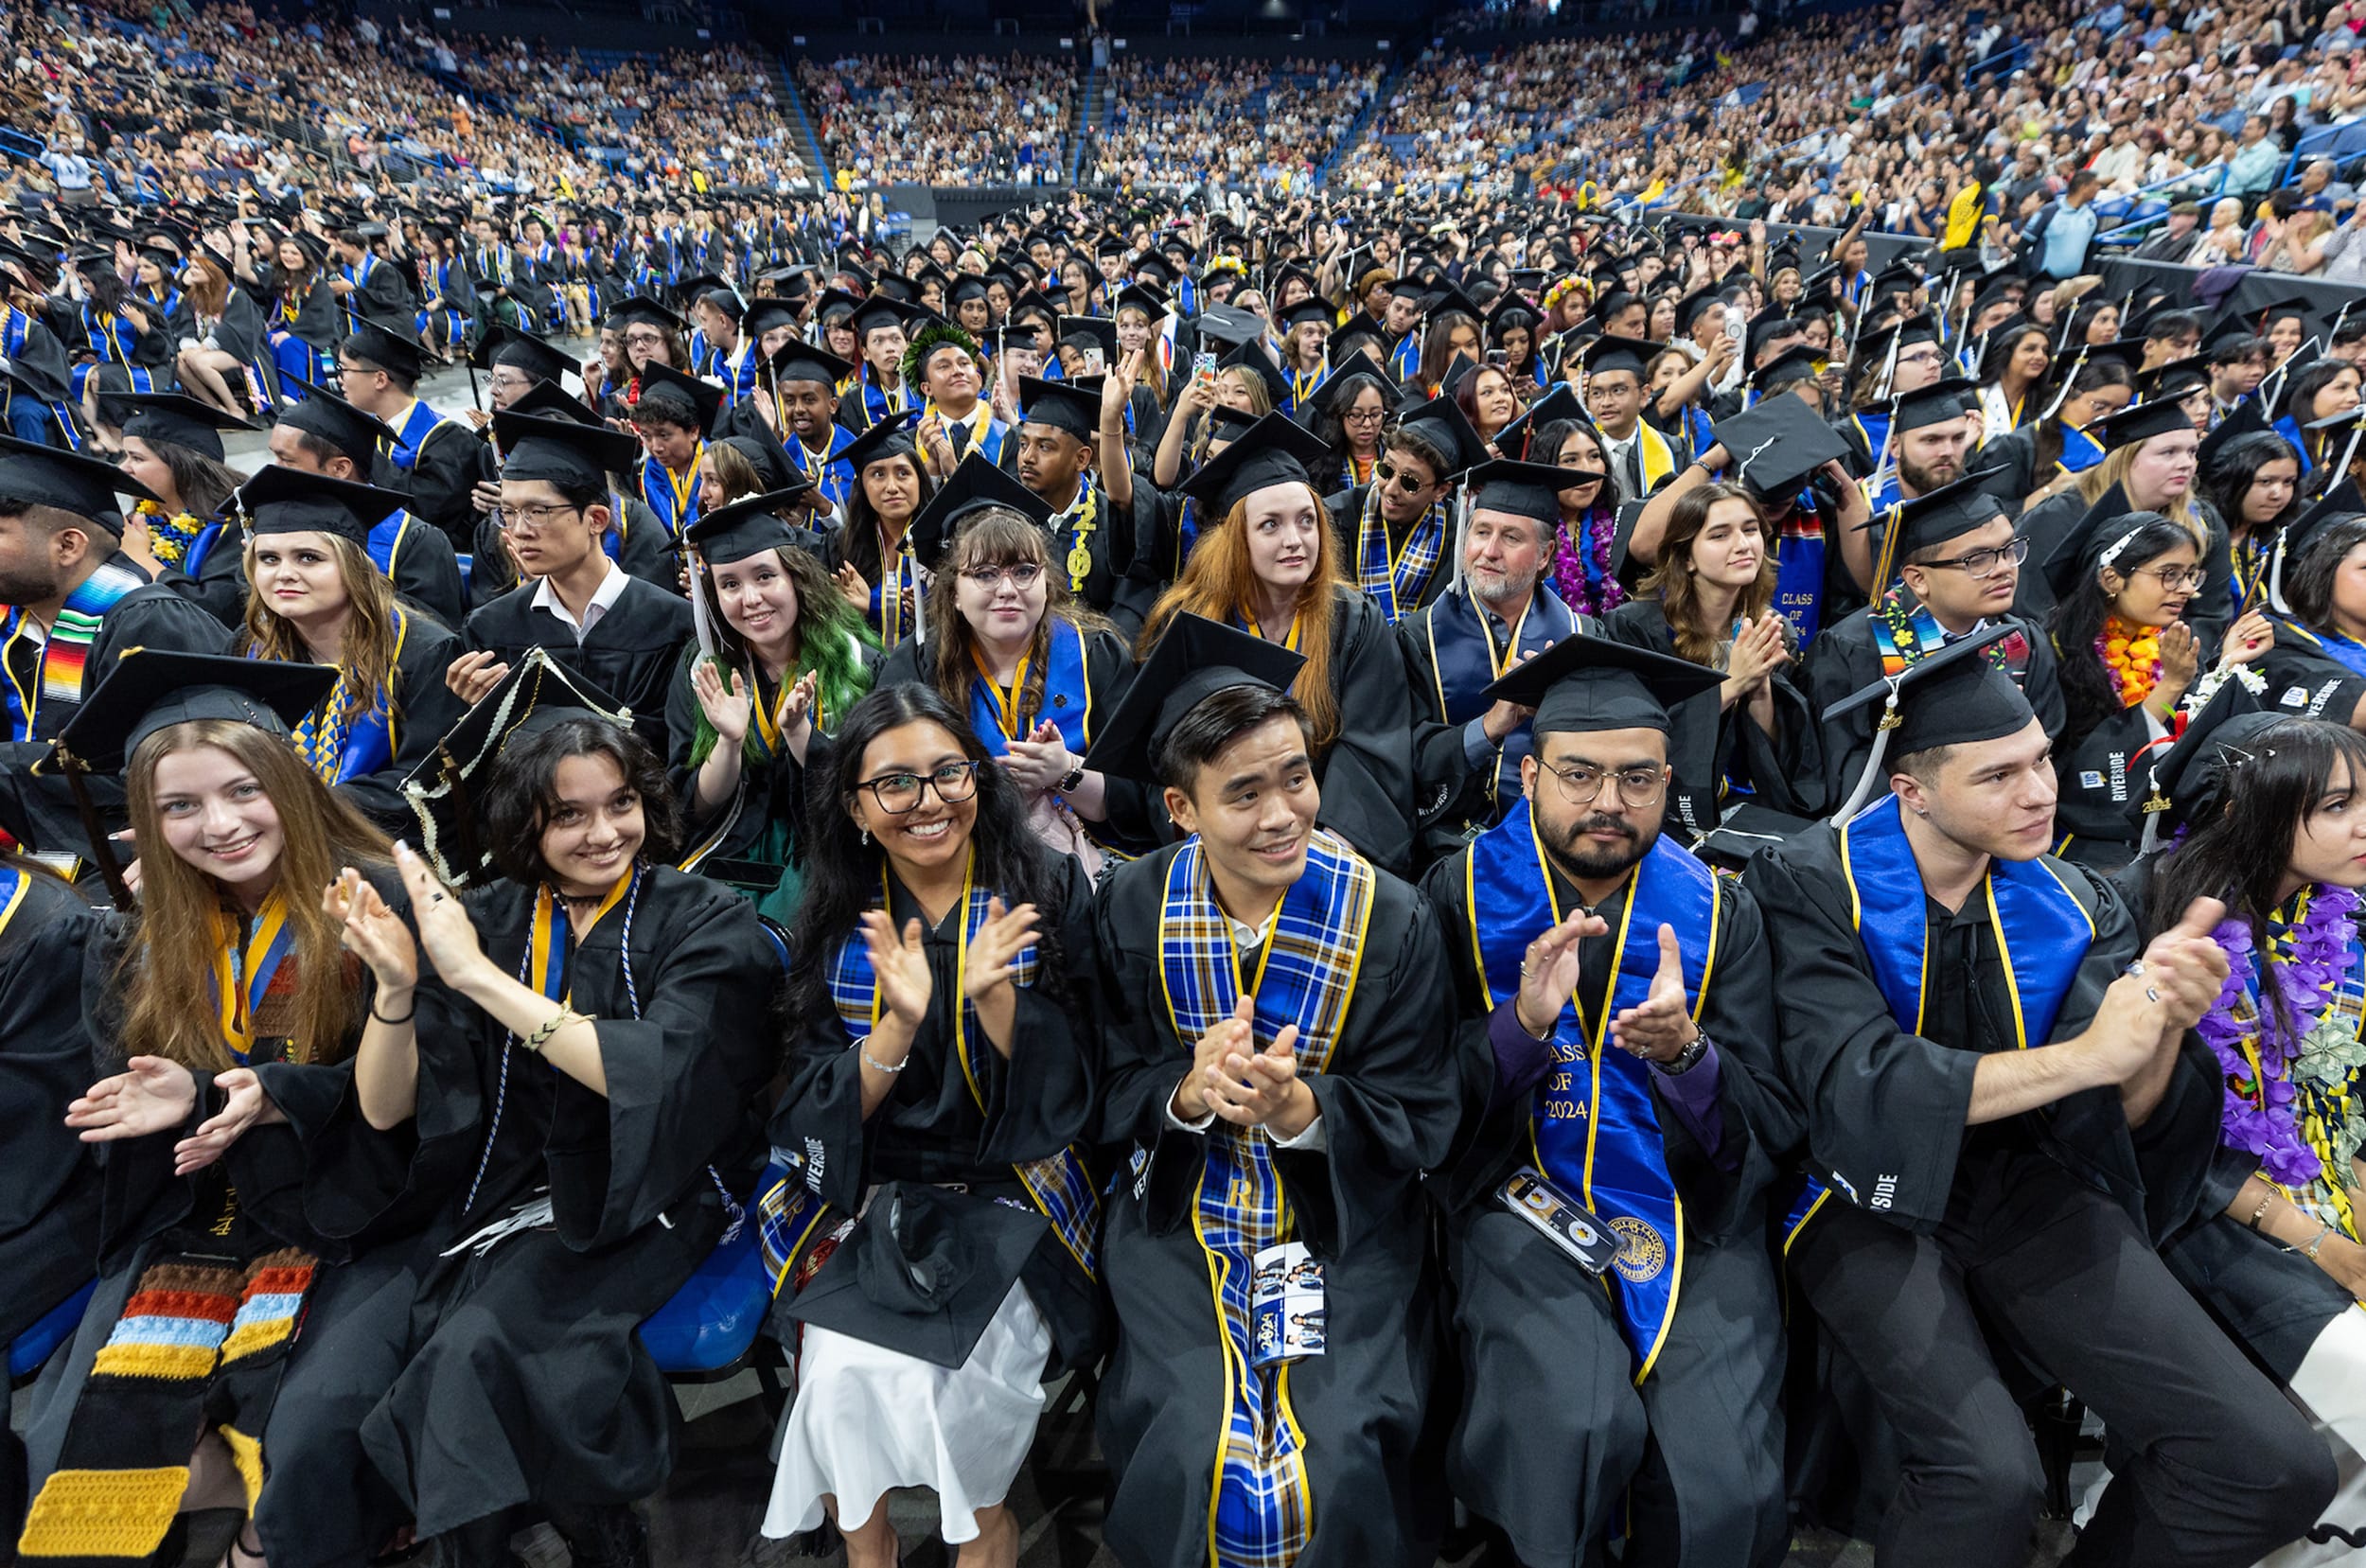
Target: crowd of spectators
x=1180 y=122
x=929 y=120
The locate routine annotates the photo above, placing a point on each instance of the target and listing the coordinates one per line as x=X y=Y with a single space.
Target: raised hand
x=2250 y=638
x=1659 y=1030
x=444 y=930
x=852 y=586
x=796 y=714
x=473 y=675
x=373 y=933
x=994 y=951
x=901 y=965
x=723 y=699
x=151 y=1095
x=2180 y=657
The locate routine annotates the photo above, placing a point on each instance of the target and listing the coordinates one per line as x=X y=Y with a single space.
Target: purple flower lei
x=1578 y=589
x=2260 y=1116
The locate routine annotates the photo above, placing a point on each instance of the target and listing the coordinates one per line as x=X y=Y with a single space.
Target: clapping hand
x=994 y=951
x=724 y=700
x=245 y=1105
x=1040 y=761
x=1659 y=1030
x=901 y=965
x=444 y=930
x=372 y=932
x=1548 y=972
x=151 y=1095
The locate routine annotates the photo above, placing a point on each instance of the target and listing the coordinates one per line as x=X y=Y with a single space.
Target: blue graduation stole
x=245 y=963
x=1697 y=430
x=700 y=350
x=1799 y=568
x=833 y=479
x=1874 y=425
x=1397 y=584
x=1058 y=1184
x=2042 y=933
x=2349 y=655
x=1887 y=496
x=677 y=507
x=335 y=743
x=1595 y=1129
x=2290 y=429
x=111 y=336
x=736 y=371
x=878 y=402
x=988 y=440
x=386 y=540
x=1406 y=357
x=2080 y=452
x=411 y=435
x=1262 y=1511
x=1067 y=698
x=1465 y=660
x=358 y=275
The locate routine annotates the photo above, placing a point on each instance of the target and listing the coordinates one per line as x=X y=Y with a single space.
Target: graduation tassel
x=2061 y=394
x=1888 y=721
x=702 y=619
x=1462 y=509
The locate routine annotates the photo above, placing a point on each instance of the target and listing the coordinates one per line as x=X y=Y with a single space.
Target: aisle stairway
x=808 y=140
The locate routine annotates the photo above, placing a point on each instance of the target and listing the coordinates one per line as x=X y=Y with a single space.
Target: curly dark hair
x=525 y=783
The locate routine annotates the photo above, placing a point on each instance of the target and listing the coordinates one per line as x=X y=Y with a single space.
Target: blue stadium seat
x=713 y=1319
x=37 y=1344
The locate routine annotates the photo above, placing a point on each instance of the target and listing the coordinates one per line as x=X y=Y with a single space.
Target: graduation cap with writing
x=151 y=689
x=1775 y=443
x=923 y=1273
x=1194 y=658
x=1554 y=406
x=1441 y=422
x=52 y=476
x=2091 y=811
x=749 y=526
x=890 y=437
x=676 y=393
x=507 y=345
x=279 y=500
x=560 y=450
x=389 y=345
x=173 y=418
x=1956 y=696
x=1274 y=451
x=1925 y=521
x=537 y=692
x=974 y=484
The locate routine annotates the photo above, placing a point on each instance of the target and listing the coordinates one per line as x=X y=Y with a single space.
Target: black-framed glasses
x=1637 y=787
x=1363 y=417
x=1982 y=563
x=2176 y=579
x=900 y=793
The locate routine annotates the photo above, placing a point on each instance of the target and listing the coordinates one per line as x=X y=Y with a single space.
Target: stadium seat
x=36 y=1344
x=712 y=1321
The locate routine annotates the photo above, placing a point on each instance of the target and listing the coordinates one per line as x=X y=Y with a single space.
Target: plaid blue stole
x=1262 y=1514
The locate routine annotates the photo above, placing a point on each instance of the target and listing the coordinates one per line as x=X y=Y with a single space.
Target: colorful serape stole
x=200 y=1345
x=1261 y=1513
x=67 y=650
x=1906 y=632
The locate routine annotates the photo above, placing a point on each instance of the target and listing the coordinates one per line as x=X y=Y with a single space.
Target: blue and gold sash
x=1262 y=1507
x=245 y=963
x=2080 y=452
x=1397 y=582
x=1799 y=568
x=1465 y=658
x=1059 y=1185
x=1067 y=696
x=2042 y=933
x=673 y=501
x=1595 y=1130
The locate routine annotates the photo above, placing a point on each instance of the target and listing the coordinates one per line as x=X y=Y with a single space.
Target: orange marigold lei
x=2131 y=656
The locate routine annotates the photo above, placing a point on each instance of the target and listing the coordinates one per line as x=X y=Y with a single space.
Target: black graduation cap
x=2341 y=501
x=1799 y=363
x=748 y=526
x=1312 y=308
x=172 y=417
x=1252 y=357
x=798 y=360
x=974 y=484
x=1949 y=512
x=507 y=345
x=1230 y=325
x=641 y=307
x=765 y=314
x=880 y=310
x=836 y=304
x=1441 y=422
x=545 y=400
x=890 y=437
x=1612 y=352
x=1194 y=658
x=1554 y=406
x=52 y=476
x=704 y=399
x=1586 y=683
x=2297 y=306
x=2179 y=378
x=1873 y=347
x=1062 y=405
x=537 y=692
x=388 y=346
x=1449 y=301
x=2247 y=419
x=2097 y=534
x=1943 y=400
x=1524 y=489
x=560 y=450
x=1777 y=442
x=1956 y=696
x=291 y=500
x=923 y=1273
x=1101 y=329
x=1274 y=451
x=152 y=689
x=2195 y=775
x=1358 y=329
x=1690 y=307
x=2139 y=422
x=1143 y=298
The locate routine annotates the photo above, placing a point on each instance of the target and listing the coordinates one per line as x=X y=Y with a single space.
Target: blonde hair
x=2112 y=470
x=168 y=968
x=1218 y=580
x=373 y=631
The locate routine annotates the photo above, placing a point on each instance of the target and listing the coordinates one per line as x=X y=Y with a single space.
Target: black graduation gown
x=1368 y=774
x=239 y=331
x=524 y=1376
x=1783 y=772
x=1546 y=1367
x=2099 y=818
x=319 y=320
x=1126 y=548
x=1038 y=1102
x=385 y=293
x=49 y=1184
x=629 y=653
x=1846 y=658
x=442 y=479
x=1347 y=513
x=1388 y=1104
x=424 y=711
x=2303 y=680
x=641 y=548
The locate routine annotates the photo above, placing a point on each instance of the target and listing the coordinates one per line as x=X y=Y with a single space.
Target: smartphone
x=1094 y=362
x=1204 y=366
x=1499 y=358
x=1564 y=1221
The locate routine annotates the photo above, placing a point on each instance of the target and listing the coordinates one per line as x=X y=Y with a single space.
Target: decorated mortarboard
x=974 y=484
x=1956 y=696
x=1946 y=399
x=890 y=437
x=1921 y=523
x=1777 y=442
x=389 y=345
x=1612 y=352
x=1441 y=422
x=443 y=790
x=1062 y=405
x=560 y=450
x=151 y=689
x=1272 y=451
x=1524 y=489
x=703 y=399
x=1583 y=684
x=2139 y=422
x=2176 y=776
x=278 y=500
x=748 y=526
x=52 y=476
x=1194 y=658
x=507 y=345
x=172 y=417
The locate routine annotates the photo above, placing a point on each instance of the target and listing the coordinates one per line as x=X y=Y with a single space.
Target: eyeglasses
x=1388 y=473
x=1598 y=389
x=533 y=519
x=1363 y=417
x=1918 y=356
x=899 y=793
x=1021 y=573
x=2176 y=579
x=1637 y=787
x=1982 y=563
x=653 y=339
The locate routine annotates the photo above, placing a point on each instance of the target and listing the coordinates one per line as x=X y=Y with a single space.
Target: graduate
x=942 y=364
x=788 y=656
x=1265 y=564
x=1584 y=937
x=1396 y=531
x=945 y=1053
x=1106 y=522
x=1930 y=434
x=1500 y=610
x=172 y=445
x=2044 y=456
x=224 y=1016
x=583 y=1028
x=636 y=540
x=880 y=325
x=613 y=629
x=316 y=597
x=1035 y=671
x=2316 y=667
x=872 y=559
x=435 y=461
x=674 y=416
x=1948 y=563
x=797 y=400
x=1978 y=1063
x=367 y=286
x=1641 y=459
x=1273 y=1061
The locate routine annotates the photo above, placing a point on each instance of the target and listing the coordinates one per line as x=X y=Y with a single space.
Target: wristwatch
x=1070 y=780
x=1688 y=1058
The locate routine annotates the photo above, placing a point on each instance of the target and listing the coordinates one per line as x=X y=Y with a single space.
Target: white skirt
x=867 y=1421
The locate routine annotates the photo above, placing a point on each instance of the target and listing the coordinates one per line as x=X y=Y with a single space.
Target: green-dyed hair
x=831 y=637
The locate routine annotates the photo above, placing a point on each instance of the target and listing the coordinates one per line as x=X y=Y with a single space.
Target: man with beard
x=75 y=602
x=1106 y=522
x=1394 y=533
x=1471 y=752
x=1617 y=1060
x=1979 y=1049
x=1931 y=438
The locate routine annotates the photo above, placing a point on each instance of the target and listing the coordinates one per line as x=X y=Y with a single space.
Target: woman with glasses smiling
x=1348 y=412
x=938 y=1081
